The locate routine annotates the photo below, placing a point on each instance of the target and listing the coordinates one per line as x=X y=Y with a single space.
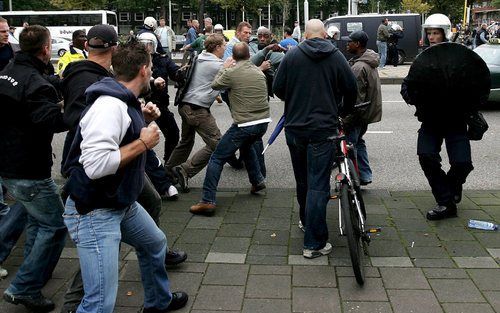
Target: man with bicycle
x=312 y=80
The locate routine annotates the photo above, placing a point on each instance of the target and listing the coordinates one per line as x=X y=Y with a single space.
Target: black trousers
x=444 y=185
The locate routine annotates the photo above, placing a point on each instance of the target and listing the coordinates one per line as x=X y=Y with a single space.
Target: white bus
x=61 y=24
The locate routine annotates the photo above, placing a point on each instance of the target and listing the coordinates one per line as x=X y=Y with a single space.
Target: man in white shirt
x=167 y=37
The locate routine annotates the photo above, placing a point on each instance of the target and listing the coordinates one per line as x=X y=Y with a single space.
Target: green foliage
x=250 y=5
x=415 y=6
x=79 y=4
x=20 y=5
x=495 y=3
x=452 y=8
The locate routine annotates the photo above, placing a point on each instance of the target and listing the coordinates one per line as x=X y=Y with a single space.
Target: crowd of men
x=114 y=180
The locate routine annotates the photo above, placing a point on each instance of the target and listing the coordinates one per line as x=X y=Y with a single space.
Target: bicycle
x=352 y=213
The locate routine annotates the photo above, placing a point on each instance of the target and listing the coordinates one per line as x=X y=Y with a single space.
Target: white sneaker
x=172 y=191
x=301 y=226
x=3 y=272
x=311 y=254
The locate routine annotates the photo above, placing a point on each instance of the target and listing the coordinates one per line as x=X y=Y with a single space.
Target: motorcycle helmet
x=333 y=32
x=149 y=40
x=150 y=22
x=441 y=21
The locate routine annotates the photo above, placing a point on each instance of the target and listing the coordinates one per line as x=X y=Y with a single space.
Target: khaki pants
x=198 y=121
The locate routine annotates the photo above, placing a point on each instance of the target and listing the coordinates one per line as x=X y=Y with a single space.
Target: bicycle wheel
x=352 y=231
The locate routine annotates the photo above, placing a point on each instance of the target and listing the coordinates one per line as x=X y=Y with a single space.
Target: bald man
x=313 y=79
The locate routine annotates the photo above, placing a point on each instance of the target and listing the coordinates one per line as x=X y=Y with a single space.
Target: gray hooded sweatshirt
x=200 y=91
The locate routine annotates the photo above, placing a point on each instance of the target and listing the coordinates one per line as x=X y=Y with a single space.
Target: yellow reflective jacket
x=67 y=58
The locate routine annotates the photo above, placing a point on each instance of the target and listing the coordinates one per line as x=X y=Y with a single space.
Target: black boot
x=35 y=304
x=441 y=212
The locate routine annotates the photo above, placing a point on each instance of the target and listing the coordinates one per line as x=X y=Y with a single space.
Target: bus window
x=111 y=19
x=400 y=23
x=66 y=20
x=354 y=26
x=90 y=19
x=16 y=20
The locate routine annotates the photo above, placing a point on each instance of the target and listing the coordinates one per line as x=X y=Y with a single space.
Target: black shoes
x=365 y=182
x=441 y=212
x=256 y=188
x=175 y=257
x=457 y=194
x=179 y=300
x=182 y=178
x=235 y=163
x=35 y=304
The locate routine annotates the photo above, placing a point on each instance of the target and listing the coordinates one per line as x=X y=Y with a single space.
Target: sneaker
x=3 y=272
x=172 y=194
x=182 y=178
x=173 y=257
x=311 y=254
x=301 y=226
x=35 y=304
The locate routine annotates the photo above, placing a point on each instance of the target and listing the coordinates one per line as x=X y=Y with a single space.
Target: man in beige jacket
x=250 y=112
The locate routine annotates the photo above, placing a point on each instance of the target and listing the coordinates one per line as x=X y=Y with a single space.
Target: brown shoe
x=202 y=208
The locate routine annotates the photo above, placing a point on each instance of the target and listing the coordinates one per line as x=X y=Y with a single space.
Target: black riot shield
x=449 y=77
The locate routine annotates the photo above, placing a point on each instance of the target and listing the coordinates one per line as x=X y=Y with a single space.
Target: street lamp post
x=306 y=11
x=269 y=15
x=243 y=11
x=169 y=13
x=260 y=16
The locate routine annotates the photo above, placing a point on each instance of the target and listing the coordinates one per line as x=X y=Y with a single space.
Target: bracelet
x=145 y=145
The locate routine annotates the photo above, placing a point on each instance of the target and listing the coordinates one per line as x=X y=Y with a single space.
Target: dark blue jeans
x=45 y=233
x=444 y=185
x=243 y=138
x=312 y=164
x=11 y=227
x=355 y=136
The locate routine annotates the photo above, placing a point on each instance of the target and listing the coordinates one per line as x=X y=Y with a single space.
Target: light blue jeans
x=382 y=51
x=97 y=236
x=45 y=233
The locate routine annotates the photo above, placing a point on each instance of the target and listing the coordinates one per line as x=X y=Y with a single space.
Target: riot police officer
x=433 y=106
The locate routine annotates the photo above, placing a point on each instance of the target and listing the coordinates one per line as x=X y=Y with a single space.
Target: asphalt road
x=391 y=147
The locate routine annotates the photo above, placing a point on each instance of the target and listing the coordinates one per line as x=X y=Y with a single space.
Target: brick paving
x=247 y=258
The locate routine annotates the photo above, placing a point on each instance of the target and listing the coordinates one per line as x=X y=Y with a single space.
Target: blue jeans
x=11 y=227
x=97 y=236
x=45 y=233
x=249 y=141
x=312 y=164
x=355 y=136
x=382 y=51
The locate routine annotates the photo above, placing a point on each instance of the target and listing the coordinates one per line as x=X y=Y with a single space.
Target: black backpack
x=188 y=75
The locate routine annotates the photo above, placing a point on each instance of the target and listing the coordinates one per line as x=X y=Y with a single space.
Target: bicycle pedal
x=373 y=230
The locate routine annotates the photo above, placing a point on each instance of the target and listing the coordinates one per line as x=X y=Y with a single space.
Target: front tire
x=353 y=233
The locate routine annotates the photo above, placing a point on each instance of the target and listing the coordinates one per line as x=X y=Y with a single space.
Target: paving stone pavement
x=247 y=258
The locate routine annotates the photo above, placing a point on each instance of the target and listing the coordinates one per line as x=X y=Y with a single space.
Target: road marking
x=379 y=132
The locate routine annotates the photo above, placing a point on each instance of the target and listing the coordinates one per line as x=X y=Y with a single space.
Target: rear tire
x=352 y=231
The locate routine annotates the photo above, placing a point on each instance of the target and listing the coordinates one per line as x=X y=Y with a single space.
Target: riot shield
x=449 y=76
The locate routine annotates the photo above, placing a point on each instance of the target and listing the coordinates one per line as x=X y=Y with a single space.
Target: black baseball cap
x=358 y=36
x=102 y=36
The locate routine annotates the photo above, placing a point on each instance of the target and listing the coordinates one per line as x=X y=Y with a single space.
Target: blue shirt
x=191 y=36
x=288 y=43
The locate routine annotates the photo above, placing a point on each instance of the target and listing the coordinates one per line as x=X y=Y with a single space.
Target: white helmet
x=332 y=31
x=150 y=40
x=439 y=20
x=218 y=27
x=396 y=27
x=150 y=22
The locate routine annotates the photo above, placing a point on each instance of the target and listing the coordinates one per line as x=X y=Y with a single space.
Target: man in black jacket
x=312 y=80
x=29 y=117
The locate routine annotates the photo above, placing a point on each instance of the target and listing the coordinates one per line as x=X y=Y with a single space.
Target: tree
x=284 y=6
x=80 y=4
x=416 y=6
x=495 y=3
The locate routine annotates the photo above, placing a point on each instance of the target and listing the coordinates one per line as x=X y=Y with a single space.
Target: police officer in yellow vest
x=76 y=51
